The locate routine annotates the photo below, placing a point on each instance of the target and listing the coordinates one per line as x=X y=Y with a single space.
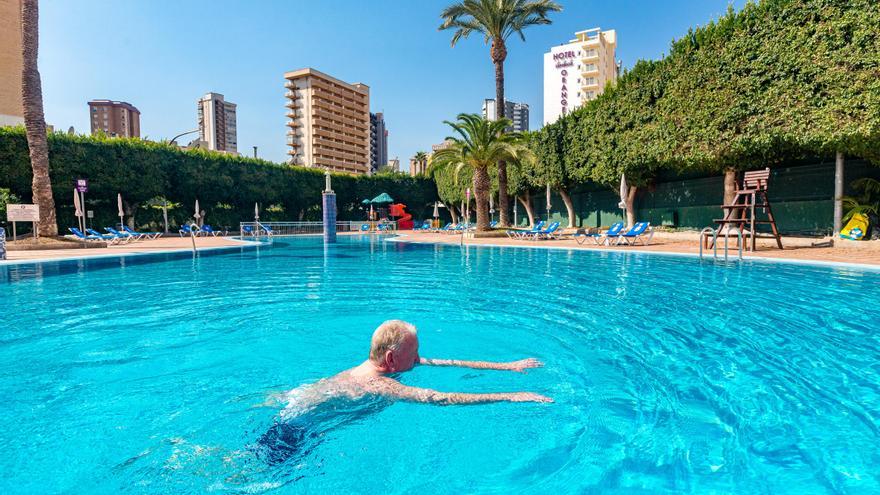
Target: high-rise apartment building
x=217 y=125
x=114 y=118
x=517 y=112
x=329 y=122
x=11 y=109
x=578 y=71
x=378 y=142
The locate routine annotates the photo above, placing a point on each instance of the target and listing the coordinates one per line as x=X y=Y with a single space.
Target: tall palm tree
x=496 y=20
x=34 y=121
x=422 y=159
x=480 y=144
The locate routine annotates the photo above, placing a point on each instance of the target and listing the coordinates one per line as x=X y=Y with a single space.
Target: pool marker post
x=329 y=204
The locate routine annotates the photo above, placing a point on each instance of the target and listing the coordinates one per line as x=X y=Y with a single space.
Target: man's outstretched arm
x=393 y=389
x=520 y=365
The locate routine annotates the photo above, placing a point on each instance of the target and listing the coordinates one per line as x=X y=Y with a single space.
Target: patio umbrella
x=624 y=192
x=120 y=213
x=256 y=212
x=196 y=215
x=436 y=210
x=78 y=207
x=548 y=202
x=382 y=198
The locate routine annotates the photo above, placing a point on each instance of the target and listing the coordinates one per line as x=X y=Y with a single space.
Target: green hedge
x=226 y=186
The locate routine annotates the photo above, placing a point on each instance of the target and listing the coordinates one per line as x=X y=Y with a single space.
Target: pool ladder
x=705 y=233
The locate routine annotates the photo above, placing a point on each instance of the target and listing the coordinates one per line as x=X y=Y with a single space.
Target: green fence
x=801 y=197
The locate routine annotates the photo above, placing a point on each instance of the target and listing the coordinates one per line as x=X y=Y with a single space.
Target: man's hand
x=528 y=397
x=523 y=364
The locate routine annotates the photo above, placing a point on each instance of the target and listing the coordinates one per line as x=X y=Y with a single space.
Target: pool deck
x=162 y=245
x=796 y=248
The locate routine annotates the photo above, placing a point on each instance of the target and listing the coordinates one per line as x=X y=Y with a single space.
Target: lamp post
x=181 y=135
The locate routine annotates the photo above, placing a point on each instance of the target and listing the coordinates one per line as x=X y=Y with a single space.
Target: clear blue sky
x=161 y=56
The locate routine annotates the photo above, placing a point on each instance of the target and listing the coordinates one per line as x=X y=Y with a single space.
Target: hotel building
x=378 y=142
x=114 y=118
x=217 y=125
x=329 y=122
x=517 y=112
x=578 y=71
x=11 y=109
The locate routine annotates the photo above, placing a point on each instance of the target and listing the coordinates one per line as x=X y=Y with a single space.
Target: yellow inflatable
x=856 y=228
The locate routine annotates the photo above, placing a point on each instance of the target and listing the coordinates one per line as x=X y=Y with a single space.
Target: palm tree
x=480 y=144
x=496 y=20
x=422 y=159
x=34 y=121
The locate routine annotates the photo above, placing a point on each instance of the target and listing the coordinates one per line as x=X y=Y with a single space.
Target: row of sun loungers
x=112 y=236
x=204 y=230
x=641 y=232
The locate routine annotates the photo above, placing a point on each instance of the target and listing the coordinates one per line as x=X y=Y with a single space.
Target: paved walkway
x=862 y=252
x=165 y=244
x=867 y=252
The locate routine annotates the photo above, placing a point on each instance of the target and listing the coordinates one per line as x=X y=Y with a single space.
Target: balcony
x=290 y=85
x=590 y=55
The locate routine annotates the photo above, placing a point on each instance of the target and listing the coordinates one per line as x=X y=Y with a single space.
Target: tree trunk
x=526 y=201
x=481 y=193
x=499 y=55
x=838 y=193
x=453 y=213
x=729 y=185
x=568 y=206
x=130 y=210
x=34 y=120
x=630 y=207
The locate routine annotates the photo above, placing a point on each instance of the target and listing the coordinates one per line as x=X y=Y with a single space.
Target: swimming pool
x=145 y=374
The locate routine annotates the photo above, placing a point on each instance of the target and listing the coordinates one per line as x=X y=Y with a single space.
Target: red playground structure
x=405 y=221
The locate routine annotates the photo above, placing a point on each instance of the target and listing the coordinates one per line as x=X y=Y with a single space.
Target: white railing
x=272 y=229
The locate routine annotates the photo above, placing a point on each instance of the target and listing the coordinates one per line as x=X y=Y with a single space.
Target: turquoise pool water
x=145 y=374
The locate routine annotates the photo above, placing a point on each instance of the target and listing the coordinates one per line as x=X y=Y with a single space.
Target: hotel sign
x=22 y=213
x=564 y=61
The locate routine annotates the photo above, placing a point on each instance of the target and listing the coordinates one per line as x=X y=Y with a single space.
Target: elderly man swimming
x=394 y=349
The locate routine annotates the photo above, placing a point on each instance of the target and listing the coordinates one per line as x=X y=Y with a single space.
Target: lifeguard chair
x=742 y=212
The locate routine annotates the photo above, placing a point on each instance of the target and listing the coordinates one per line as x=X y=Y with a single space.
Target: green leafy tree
x=497 y=20
x=480 y=144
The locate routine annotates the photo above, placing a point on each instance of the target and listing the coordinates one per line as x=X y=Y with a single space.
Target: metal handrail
x=715 y=232
x=707 y=230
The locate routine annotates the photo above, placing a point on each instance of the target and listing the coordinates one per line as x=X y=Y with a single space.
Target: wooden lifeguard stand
x=742 y=212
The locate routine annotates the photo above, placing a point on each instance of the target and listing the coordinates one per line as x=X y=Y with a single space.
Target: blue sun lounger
x=122 y=235
x=519 y=234
x=187 y=229
x=636 y=234
x=602 y=238
x=148 y=235
x=79 y=235
x=548 y=233
x=112 y=239
x=208 y=230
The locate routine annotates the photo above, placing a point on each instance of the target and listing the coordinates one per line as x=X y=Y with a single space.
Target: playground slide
x=405 y=222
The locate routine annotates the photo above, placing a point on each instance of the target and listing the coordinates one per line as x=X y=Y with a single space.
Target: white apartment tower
x=217 y=123
x=578 y=71
x=516 y=112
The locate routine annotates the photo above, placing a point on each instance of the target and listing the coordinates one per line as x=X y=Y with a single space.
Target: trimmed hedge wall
x=226 y=186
